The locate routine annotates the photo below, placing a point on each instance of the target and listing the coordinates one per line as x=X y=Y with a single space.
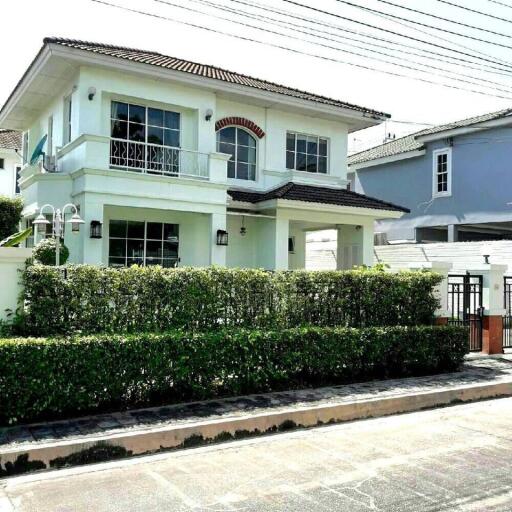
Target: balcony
x=158 y=160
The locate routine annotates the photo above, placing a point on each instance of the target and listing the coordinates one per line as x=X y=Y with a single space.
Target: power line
x=508 y=20
x=500 y=3
x=417 y=11
x=300 y=39
x=467 y=36
x=486 y=58
x=294 y=50
x=272 y=21
x=315 y=21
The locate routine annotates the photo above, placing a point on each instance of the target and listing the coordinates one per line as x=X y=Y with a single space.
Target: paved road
x=456 y=459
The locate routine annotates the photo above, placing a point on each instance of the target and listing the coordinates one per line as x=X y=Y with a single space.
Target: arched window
x=241 y=145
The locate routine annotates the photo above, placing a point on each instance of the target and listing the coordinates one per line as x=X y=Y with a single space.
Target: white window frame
x=251 y=134
x=68 y=116
x=435 y=155
x=318 y=137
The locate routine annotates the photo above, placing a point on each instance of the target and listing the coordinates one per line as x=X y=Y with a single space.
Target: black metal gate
x=507 y=319
x=465 y=304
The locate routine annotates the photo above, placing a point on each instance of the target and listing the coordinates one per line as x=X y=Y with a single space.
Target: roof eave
x=386 y=159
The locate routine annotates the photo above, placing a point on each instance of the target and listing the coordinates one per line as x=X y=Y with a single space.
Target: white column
x=492 y=293
x=218 y=167
x=354 y=245
x=441 y=290
x=281 y=243
x=217 y=252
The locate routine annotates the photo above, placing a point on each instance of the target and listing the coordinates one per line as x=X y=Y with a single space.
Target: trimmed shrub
x=93 y=299
x=48 y=378
x=10 y=215
x=46 y=250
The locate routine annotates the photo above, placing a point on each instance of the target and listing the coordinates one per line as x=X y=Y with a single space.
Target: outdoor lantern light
x=222 y=237
x=208 y=114
x=75 y=222
x=41 y=222
x=96 y=229
x=243 y=229
x=91 y=93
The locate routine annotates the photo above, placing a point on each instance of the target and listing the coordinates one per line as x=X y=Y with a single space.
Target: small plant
x=45 y=252
x=16 y=238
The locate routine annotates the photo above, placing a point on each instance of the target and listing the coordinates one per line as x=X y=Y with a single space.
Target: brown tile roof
x=410 y=142
x=206 y=71
x=314 y=194
x=10 y=139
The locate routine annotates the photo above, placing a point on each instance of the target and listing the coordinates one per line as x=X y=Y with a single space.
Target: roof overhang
x=54 y=64
x=466 y=130
x=274 y=204
x=386 y=159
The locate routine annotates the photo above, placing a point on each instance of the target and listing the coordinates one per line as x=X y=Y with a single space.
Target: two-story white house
x=10 y=162
x=168 y=160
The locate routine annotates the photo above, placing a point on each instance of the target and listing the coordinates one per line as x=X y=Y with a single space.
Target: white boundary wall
x=12 y=261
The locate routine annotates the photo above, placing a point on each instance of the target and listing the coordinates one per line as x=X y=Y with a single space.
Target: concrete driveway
x=457 y=459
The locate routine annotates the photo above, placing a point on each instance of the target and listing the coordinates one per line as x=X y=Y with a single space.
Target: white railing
x=157 y=160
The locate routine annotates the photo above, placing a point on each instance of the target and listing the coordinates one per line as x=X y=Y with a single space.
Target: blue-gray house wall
x=481 y=190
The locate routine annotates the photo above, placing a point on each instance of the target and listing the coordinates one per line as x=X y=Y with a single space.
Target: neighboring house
x=10 y=162
x=456 y=179
x=165 y=157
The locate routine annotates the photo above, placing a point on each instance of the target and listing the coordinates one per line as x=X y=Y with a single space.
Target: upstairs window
x=442 y=172
x=144 y=138
x=241 y=145
x=306 y=153
x=68 y=113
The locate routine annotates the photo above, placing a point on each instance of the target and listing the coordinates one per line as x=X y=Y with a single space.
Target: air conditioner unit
x=50 y=163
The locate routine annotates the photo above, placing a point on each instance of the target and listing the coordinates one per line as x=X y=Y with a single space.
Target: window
x=241 y=145
x=68 y=112
x=2 y=163
x=17 y=180
x=143 y=243
x=24 y=149
x=144 y=138
x=306 y=153
x=291 y=244
x=49 y=141
x=442 y=170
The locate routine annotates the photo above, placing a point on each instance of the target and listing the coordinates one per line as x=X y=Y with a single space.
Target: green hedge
x=10 y=215
x=45 y=378
x=93 y=299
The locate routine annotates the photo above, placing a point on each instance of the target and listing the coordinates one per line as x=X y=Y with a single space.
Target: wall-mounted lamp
x=486 y=258
x=208 y=114
x=91 y=92
x=243 y=229
x=95 y=229
x=358 y=228
x=222 y=237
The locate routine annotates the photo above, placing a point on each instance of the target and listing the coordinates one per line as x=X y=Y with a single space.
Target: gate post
x=441 y=290
x=492 y=339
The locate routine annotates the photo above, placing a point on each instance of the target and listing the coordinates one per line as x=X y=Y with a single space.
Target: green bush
x=10 y=215
x=45 y=378
x=93 y=299
x=45 y=252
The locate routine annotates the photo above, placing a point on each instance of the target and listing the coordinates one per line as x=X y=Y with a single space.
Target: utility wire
x=508 y=20
x=485 y=58
x=457 y=61
x=272 y=21
x=460 y=23
x=500 y=3
x=467 y=36
x=293 y=50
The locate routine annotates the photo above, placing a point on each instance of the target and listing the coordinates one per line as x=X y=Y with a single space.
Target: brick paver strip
x=476 y=371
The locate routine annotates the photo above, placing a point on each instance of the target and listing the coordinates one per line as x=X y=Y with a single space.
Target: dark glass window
x=241 y=145
x=143 y=243
x=306 y=153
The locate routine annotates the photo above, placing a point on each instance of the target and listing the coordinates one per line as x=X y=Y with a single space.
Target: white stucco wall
x=12 y=261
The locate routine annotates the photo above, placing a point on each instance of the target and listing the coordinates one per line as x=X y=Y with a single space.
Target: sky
x=412 y=104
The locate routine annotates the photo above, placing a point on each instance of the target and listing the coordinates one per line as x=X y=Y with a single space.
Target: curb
x=59 y=454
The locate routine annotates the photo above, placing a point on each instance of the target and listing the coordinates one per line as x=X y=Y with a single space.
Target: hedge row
x=93 y=299
x=48 y=378
x=10 y=215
